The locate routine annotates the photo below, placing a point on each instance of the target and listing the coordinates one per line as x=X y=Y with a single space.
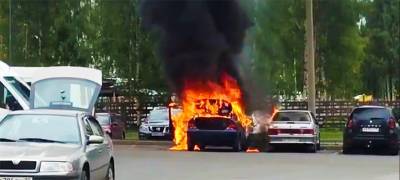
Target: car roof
x=305 y=111
x=47 y=112
x=372 y=106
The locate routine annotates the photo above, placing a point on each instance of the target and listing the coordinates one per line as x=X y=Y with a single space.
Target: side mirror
x=95 y=139
x=320 y=123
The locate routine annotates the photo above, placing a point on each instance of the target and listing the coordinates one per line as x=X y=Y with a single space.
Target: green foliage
x=357 y=43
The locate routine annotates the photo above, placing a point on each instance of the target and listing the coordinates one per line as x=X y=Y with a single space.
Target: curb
x=142 y=142
x=326 y=146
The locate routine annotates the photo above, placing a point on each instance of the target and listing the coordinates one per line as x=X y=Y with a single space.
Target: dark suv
x=371 y=127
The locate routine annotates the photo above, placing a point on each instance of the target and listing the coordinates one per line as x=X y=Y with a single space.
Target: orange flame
x=197 y=148
x=227 y=91
x=252 y=150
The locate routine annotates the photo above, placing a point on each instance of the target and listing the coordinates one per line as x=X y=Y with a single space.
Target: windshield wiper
x=7 y=140
x=40 y=140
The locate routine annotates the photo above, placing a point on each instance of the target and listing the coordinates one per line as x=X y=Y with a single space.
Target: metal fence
x=332 y=113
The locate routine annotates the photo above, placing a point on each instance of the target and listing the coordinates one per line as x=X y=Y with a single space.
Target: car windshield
x=370 y=113
x=162 y=114
x=42 y=128
x=291 y=116
x=103 y=119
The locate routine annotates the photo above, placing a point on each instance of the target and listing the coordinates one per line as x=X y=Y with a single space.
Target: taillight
x=392 y=123
x=307 y=131
x=350 y=123
x=231 y=126
x=192 y=125
x=273 y=131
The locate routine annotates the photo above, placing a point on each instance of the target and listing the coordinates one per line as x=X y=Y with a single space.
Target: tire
x=123 y=136
x=347 y=149
x=84 y=175
x=110 y=172
x=312 y=148
x=190 y=145
x=393 y=151
x=237 y=147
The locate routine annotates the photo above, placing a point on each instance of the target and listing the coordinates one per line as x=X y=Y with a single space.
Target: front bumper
x=293 y=139
x=147 y=131
x=213 y=137
x=42 y=176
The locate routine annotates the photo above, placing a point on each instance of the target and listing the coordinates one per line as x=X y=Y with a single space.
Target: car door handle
x=100 y=151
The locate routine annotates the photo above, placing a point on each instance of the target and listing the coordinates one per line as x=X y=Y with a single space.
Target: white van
x=14 y=92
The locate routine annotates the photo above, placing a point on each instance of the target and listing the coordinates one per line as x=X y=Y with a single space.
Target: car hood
x=38 y=151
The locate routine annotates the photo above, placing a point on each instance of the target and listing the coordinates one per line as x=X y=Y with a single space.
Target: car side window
x=97 y=130
x=89 y=130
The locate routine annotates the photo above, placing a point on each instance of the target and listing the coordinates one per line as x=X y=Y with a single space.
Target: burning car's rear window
x=292 y=116
x=370 y=113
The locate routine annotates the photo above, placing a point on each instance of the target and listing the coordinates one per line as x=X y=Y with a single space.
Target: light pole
x=310 y=56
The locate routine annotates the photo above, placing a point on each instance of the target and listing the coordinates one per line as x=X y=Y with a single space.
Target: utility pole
x=310 y=56
x=9 y=31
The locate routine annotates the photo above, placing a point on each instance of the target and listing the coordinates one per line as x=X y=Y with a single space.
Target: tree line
x=357 y=43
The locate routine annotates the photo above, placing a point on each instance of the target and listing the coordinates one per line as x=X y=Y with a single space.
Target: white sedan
x=294 y=127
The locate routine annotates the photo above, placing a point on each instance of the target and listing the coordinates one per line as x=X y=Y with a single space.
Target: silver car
x=58 y=138
x=54 y=144
x=157 y=123
x=294 y=127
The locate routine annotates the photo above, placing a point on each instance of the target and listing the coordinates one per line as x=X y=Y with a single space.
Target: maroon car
x=112 y=124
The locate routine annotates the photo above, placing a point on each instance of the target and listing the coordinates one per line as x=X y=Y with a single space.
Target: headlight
x=144 y=128
x=65 y=167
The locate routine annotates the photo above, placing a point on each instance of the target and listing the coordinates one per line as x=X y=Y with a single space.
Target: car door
x=92 y=151
x=103 y=149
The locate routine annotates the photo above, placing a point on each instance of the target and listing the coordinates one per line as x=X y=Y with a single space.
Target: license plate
x=157 y=134
x=15 y=178
x=291 y=140
x=370 y=129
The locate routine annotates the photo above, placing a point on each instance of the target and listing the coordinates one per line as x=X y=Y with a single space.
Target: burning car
x=219 y=127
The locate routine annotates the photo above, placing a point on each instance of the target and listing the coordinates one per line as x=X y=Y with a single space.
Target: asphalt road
x=157 y=163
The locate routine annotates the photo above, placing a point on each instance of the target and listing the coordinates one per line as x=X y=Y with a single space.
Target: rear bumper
x=213 y=137
x=293 y=139
x=376 y=141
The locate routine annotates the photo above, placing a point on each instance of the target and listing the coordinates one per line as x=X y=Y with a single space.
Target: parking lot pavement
x=156 y=162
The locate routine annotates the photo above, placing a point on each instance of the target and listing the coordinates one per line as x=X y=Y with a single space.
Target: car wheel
x=110 y=172
x=393 y=151
x=312 y=148
x=123 y=136
x=190 y=145
x=84 y=175
x=237 y=147
x=347 y=149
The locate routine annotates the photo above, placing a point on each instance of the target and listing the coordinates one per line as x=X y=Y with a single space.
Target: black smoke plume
x=199 y=39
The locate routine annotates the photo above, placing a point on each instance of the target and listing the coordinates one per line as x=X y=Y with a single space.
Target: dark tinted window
x=292 y=116
x=7 y=100
x=97 y=130
x=19 y=87
x=89 y=130
x=370 y=113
